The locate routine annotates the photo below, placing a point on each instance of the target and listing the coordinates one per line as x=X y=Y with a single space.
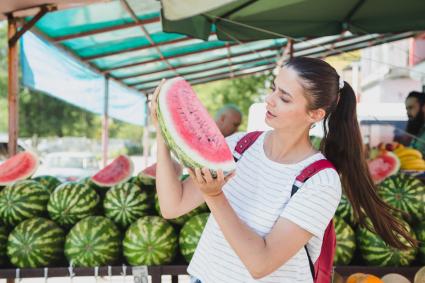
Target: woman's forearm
x=168 y=184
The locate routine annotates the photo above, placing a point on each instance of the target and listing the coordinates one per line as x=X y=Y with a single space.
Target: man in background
x=228 y=119
x=415 y=108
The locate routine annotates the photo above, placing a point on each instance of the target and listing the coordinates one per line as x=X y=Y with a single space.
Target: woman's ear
x=316 y=115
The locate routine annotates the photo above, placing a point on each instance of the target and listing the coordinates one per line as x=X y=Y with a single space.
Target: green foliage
x=242 y=92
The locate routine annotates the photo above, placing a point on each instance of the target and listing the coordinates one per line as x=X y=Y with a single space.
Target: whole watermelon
x=376 y=252
x=405 y=193
x=182 y=219
x=22 y=200
x=345 y=210
x=36 y=242
x=150 y=241
x=3 y=245
x=125 y=203
x=94 y=241
x=191 y=233
x=420 y=235
x=50 y=182
x=345 y=242
x=71 y=202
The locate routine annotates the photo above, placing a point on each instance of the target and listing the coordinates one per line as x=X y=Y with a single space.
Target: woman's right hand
x=154 y=104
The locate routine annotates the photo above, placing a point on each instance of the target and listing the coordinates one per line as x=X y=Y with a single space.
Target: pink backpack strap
x=318 y=272
x=244 y=143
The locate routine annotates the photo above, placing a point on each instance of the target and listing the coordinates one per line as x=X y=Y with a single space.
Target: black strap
x=310 y=262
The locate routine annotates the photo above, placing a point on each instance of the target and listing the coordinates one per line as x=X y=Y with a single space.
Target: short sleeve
x=315 y=203
x=232 y=140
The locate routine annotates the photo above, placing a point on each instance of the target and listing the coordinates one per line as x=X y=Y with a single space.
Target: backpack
x=322 y=270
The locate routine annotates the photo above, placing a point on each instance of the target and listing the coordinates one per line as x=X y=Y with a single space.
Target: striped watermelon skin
x=71 y=202
x=49 y=182
x=36 y=242
x=150 y=241
x=345 y=210
x=181 y=220
x=94 y=241
x=420 y=234
x=22 y=200
x=405 y=193
x=191 y=233
x=376 y=252
x=125 y=203
x=3 y=245
x=345 y=242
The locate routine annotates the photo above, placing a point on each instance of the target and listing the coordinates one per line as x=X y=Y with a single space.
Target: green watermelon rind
x=36 y=242
x=125 y=203
x=190 y=234
x=3 y=245
x=150 y=241
x=420 y=235
x=405 y=193
x=22 y=200
x=50 y=182
x=71 y=202
x=345 y=242
x=376 y=252
x=93 y=241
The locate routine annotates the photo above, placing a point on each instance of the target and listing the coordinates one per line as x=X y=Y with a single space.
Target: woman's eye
x=284 y=100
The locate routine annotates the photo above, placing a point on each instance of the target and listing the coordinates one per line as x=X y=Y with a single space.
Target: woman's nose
x=269 y=99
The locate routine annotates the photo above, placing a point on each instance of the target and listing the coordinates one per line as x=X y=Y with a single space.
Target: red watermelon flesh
x=118 y=171
x=190 y=126
x=383 y=166
x=19 y=167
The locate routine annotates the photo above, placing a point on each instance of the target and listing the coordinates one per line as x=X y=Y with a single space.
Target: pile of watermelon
x=110 y=218
x=358 y=246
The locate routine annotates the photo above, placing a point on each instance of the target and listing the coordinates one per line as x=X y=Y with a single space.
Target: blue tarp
x=48 y=69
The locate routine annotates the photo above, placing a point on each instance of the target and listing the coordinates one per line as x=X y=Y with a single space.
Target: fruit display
x=71 y=202
x=118 y=171
x=93 y=241
x=345 y=242
x=191 y=233
x=188 y=129
x=150 y=241
x=22 y=200
x=49 y=182
x=410 y=159
x=36 y=242
x=19 y=167
x=383 y=165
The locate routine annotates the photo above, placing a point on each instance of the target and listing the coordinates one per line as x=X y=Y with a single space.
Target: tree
x=242 y=92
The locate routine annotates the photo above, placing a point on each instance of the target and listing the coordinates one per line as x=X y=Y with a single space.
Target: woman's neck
x=288 y=147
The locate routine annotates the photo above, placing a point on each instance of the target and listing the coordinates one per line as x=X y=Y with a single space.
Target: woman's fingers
x=207 y=175
x=199 y=177
x=230 y=176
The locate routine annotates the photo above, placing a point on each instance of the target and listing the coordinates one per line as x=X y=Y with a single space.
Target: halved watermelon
x=18 y=167
x=189 y=130
x=119 y=171
x=383 y=165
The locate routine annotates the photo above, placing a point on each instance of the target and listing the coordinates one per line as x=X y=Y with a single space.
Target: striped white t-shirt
x=260 y=194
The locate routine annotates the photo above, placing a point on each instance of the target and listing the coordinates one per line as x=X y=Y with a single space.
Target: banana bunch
x=410 y=159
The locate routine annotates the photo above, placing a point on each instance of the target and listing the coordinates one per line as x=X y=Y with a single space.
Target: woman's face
x=286 y=105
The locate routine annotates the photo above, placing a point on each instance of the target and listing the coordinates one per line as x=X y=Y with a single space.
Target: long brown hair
x=342 y=145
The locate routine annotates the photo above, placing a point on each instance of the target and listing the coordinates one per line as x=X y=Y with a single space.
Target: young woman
x=256 y=231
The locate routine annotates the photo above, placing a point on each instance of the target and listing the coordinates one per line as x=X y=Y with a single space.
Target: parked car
x=69 y=166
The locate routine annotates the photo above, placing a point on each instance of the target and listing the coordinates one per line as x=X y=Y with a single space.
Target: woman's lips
x=269 y=114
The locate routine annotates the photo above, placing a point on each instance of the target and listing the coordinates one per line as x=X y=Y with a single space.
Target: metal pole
x=146 y=134
x=105 y=124
x=13 y=87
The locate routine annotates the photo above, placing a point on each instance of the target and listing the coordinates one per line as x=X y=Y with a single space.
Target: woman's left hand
x=206 y=183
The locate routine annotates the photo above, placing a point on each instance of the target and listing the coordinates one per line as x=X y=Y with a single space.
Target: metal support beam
x=103 y=30
x=13 y=86
x=28 y=25
x=146 y=133
x=105 y=124
x=222 y=66
x=137 y=20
